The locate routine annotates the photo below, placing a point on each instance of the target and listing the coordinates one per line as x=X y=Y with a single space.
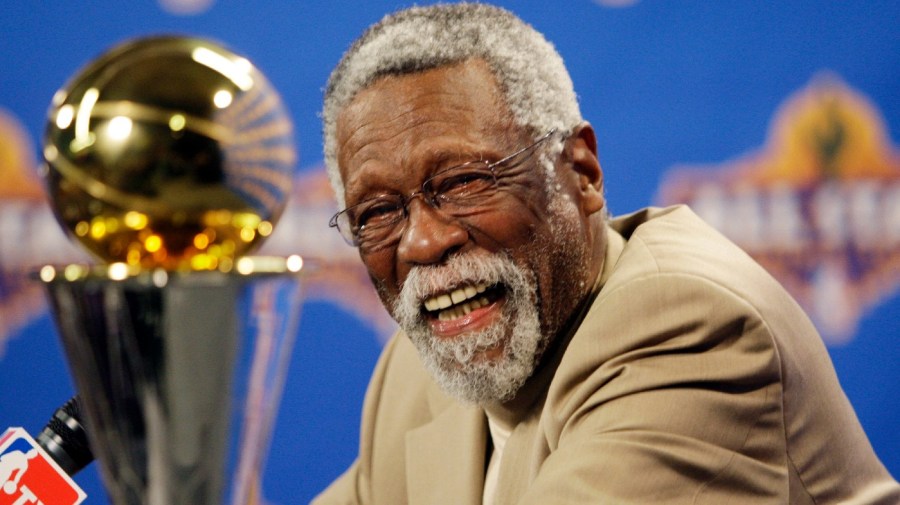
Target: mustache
x=427 y=280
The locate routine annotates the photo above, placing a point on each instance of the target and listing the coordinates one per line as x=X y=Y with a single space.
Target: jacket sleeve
x=670 y=392
x=343 y=491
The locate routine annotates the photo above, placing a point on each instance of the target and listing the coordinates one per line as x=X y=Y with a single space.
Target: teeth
x=458 y=296
x=444 y=301
x=464 y=299
x=462 y=310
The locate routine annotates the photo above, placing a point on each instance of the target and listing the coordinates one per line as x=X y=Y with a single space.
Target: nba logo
x=29 y=476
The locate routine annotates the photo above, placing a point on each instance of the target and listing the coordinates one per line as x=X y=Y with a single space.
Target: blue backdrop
x=685 y=96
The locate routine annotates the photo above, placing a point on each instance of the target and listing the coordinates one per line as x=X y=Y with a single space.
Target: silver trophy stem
x=180 y=376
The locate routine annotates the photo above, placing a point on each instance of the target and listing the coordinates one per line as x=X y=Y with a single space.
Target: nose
x=429 y=236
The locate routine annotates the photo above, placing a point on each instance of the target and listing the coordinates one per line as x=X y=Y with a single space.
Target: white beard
x=458 y=364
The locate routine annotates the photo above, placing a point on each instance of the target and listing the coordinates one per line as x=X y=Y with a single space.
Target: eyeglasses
x=378 y=222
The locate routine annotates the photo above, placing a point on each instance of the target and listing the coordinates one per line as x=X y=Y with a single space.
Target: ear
x=583 y=146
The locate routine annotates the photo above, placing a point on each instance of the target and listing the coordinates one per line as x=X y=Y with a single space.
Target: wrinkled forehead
x=461 y=99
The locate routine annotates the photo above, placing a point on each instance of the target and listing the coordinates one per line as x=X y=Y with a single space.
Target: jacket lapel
x=445 y=458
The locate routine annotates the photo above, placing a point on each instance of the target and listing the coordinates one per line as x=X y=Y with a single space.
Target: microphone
x=65 y=440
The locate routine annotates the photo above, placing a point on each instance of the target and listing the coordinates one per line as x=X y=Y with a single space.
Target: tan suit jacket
x=693 y=377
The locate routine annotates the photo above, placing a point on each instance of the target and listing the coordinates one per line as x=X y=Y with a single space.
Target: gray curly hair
x=531 y=74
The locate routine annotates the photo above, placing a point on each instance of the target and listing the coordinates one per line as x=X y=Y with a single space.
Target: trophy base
x=179 y=374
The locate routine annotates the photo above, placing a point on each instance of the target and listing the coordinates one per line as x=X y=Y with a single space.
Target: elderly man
x=547 y=353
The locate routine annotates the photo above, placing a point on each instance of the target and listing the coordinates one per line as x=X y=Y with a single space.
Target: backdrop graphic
x=778 y=123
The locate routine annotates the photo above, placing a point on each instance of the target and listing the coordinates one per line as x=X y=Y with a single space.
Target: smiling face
x=481 y=295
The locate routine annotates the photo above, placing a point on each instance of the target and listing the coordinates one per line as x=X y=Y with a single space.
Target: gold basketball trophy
x=170 y=159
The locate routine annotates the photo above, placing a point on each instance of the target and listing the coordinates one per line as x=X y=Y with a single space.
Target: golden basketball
x=169 y=152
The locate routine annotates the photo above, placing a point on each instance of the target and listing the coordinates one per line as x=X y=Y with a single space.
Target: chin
x=477 y=354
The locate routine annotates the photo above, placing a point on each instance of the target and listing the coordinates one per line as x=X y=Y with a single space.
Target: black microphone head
x=65 y=439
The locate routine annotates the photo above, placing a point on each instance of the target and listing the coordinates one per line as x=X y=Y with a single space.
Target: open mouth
x=461 y=301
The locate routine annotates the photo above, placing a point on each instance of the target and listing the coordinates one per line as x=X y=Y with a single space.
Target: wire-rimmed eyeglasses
x=377 y=222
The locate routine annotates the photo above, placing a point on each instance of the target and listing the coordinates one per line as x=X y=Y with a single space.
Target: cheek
x=382 y=272
x=516 y=221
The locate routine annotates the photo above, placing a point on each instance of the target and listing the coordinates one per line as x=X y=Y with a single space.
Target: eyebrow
x=435 y=157
x=442 y=158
